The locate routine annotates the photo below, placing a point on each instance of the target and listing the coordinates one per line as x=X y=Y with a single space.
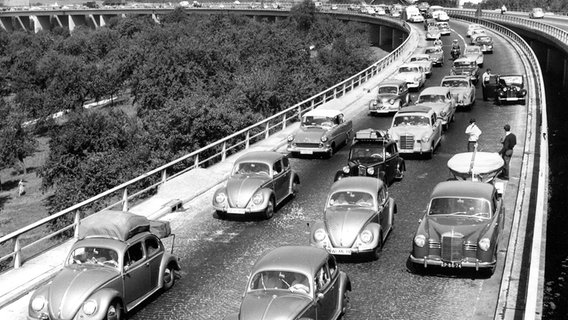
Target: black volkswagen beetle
x=373 y=153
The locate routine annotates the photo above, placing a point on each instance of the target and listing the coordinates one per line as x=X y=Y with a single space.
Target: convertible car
x=392 y=95
x=358 y=217
x=118 y=262
x=416 y=129
x=295 y=282
x=373 y=153
x=461 y=89
x=510 y=88
x=466 y=66
x=441 y=101
x=322 y=131
x=260 y=181
x=461 y=228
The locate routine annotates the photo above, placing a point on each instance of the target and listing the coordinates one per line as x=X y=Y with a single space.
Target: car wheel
x=445 y=126
x=294 y=188
x=414 y=268
x=114 y=311
x=220 y=214
x=399 y=172
x=430 y=153
x=523 y=102
x=169 y=277
x=379 y=249
x=269 y=211
x=345 y=302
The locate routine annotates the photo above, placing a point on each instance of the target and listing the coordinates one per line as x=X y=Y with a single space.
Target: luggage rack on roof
x=371 y=135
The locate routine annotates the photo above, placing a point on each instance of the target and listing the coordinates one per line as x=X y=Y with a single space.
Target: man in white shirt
x=473 y=132
x=485 y=77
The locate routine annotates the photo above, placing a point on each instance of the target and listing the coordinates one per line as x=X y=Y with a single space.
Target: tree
x=16 y=142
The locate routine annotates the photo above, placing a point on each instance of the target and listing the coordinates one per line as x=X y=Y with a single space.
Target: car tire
x=220 y=214
x=294 y=190
x=399 y=172
x=414 y=268
x=169 y=278
x=430 y=153
x=345 y=302
x=269 y=211
x=114 y=311
x=379 y=248
x=523 y=102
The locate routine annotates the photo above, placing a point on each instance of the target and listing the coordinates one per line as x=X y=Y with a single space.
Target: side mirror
x=319 y=296
x=126 y=268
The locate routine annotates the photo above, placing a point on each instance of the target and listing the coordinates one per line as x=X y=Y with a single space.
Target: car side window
x=339 y=119
x=152 y=246
x=322 y=278
x=277 y=167
x=285 y=163
x=390 y=150
x=332 y=265
x=381 y=196
x=134 y=254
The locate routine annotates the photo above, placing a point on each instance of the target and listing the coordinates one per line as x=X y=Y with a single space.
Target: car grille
x=452 y=247
x=407 y=142
x=307 y=145
x=362 y=170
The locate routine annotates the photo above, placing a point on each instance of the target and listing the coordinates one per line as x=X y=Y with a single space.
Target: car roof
x=465 y=189
x=456 y=77
x=408 y=64
x=260 y=156
x=323 y=112
x=431 y=47
x=415 y=109
x=304 y=259
x=435 y=89
x=464 y=59
x=420 y=55
x=392 y=82
x=358 y=183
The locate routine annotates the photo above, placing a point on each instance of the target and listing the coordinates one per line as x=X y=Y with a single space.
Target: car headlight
x=38 y=303
x=391 y=101
x=323 y=139
x=290 y=138
x=373 y=103
x=484 y=244
x=420 y=240
x=366 y=236
x=90 y=307
x=425 y=138
x=220 y=197
x=346 y=169
x=443 y=113
x=319 y=235
x=258 y=198
x=371 y=171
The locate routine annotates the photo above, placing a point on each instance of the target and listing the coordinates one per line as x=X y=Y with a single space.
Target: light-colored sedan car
x=441 y=15
x=118 y=262
x=466 y=66
x=433 y=33
x=461 y=88
x=413 y=74
x=474 y=53
x=476 y=33
x=441 y=101
x=322 y=131
x=392 y=95
x=472 y=27
x=260 y=181
x=536 y=13
x=358 y=217
x=436 y=55
x=423 y=60
x=444 y=28
x=416 y=129
x=295 y=282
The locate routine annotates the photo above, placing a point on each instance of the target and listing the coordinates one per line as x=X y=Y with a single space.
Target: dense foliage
x=193 y=79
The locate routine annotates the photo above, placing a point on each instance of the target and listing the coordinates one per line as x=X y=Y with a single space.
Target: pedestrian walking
x=485 y=77
x=506 y=152
x=21 y=188
x=473 y=133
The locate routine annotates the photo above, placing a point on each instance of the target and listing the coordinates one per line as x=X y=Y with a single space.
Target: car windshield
x=454 y=83
x=248 y=168
x=470 y=207
x=411 y=121
x=434 y=98
x=407 y=69
x=367 y=152
x=433 y=29
x=94 y=256
x=351 y=198
x=512 y=80
x=464 y=64
x=317 y=121
x=388 y=90
x=432 y=50
x=280 y=280
x=419 y=58
x=472 y=51
x=537 y=10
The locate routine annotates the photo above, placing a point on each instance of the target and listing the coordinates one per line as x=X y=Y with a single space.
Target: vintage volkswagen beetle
x=413 y=74
x=472 y=27
x=510 y=88
x=295 y=282
x=444 y=28
x=461 y=228
x=322 y=131
x=423 y=60
x=466 y=66
x=392 y=95
x=536 y=13
x=358 y=217
x=118 y=262
x=474 y=53
x=461 y=89
x=485 y=43
x=259 y=182
x=441 y=101
x=433 y=33
x=373 y=153
x=478 y=32
x=416 y=129
x=436 y=55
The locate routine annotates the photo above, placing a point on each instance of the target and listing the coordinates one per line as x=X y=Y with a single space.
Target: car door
x=136 y=273
x=390 y=162
x=326 y=293
x=154 y=252
x=436 y=130
x=404 y=97
x=385 y=218
x=280 y=181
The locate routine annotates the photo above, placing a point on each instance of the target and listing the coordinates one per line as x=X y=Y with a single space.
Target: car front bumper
x=384 y=108
x=239 y=211
x=464 y=263
x=321 y=149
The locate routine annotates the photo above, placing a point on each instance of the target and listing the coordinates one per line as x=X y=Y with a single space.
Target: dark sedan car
x=466 y=66
x=373 y=153
x=392 y=95
x=485 y=43
x=295 y=282
x=461 y=228
x=510 y=88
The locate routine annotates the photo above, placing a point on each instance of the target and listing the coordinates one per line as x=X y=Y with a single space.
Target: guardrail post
x=164 y=176
x=334 y=93
x=284 y=122
x=299 y=113
x=125 y=200
x=267 y=131
x=247 y=140
x=17 y=253
x=77 y=223
x=224 y=151
x=196 y=163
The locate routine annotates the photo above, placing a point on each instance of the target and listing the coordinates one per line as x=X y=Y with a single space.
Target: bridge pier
x=41 y=23
x=6 y=23
x=92 y=22
x=76 y=21
x=22 y=23
x=397 y=38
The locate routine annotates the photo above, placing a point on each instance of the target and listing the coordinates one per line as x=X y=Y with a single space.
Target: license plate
x=451 y=264
x=339 y=251
x=236 y=211
x=306 y=152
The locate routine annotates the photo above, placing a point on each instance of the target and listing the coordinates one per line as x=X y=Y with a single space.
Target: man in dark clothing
x=509 y=142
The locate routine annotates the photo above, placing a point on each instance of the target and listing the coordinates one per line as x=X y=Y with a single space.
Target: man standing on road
x=509 y=142
x=473 y=132
x=485 y=77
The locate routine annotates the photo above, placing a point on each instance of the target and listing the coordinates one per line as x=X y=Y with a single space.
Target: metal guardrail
x=217 y=151
x=533 y=291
